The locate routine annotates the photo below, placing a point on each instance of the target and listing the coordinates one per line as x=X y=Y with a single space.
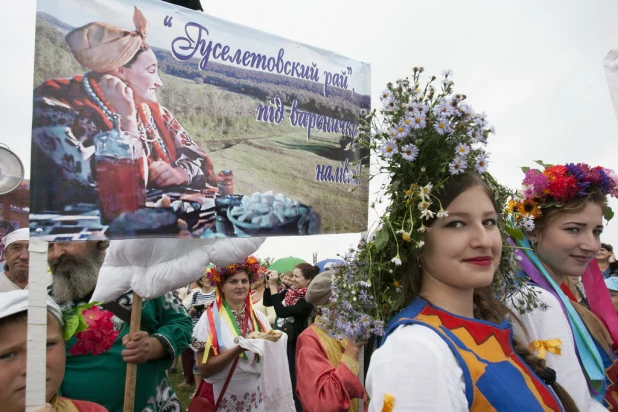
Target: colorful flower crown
x=557 y=185
x=425 y=138
x=217 y=275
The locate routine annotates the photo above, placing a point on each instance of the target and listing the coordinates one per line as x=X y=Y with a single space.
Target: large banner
x=155 y=120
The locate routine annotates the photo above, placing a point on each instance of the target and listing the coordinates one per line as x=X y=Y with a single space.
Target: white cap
x=16 y=235
x=16 y=301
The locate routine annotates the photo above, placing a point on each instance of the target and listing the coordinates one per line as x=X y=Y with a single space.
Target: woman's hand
x=273 y=277
x=162 y=174
x=120 y=97
x=353 y=349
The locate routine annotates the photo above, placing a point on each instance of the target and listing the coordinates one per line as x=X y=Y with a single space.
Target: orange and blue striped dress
x=496 y=377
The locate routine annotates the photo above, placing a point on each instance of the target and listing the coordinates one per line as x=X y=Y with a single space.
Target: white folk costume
x=245 y=387
x=217 y=329
x=555 y=330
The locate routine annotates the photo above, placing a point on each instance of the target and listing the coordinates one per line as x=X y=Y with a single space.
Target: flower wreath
x=422 y=137
x=557 y=185
x=217 y=275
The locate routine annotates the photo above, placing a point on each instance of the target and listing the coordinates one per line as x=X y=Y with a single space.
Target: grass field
x=184 y=393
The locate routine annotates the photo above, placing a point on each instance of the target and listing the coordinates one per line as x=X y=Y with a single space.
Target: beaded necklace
x=147 y=134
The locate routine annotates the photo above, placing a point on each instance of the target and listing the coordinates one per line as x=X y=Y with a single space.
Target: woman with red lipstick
x=561 y=212
x=451 y=349
x=431 y=266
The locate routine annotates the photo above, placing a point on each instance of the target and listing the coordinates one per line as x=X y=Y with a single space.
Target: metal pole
x=37 y=326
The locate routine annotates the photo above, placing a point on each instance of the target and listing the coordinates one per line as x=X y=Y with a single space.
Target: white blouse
x=552 y=323
x=419 y=370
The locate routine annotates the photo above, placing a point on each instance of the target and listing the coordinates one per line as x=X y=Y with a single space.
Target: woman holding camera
x=293 y=311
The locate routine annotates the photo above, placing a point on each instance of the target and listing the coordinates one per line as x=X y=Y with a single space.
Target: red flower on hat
x=100 y=335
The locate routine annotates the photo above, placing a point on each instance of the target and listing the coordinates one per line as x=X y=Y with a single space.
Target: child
x=13 y=343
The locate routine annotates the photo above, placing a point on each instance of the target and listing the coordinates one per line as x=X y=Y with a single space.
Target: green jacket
x=101 y=379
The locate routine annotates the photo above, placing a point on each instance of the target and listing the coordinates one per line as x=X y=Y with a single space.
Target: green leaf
x=82 y=324
x=71 y=323
x=381 y=238
x=540 y=162
x=608 y=213
x=515 y=233
x=395 y=185
x=525 y=169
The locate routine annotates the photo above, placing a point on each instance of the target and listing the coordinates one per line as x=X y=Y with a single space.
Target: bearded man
x=166 y=332
x=15 y=276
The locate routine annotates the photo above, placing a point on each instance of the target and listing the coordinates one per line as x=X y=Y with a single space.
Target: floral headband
x=423 y=137
x=217 y=275
x=556 y=186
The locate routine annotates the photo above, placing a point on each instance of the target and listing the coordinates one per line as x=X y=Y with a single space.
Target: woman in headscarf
x=328 y=382
x=220 y=360
x=118 y=93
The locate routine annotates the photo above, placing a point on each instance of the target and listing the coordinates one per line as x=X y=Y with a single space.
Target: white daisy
x=389 y=148
x=458 y=165
x=406 y=122
x=349 y=146
x=409 y=152
x=447 y=72
x=442 y=126
x=528 y=223
x=396 y=260
x=442 y=214
x=427 y=214
x=420 y=244
x=481 y=163
x=386 y=95
x=401 y=131
x=475 y=136
x=425 y=190
x=462 y=149
x=423 y=205
x=418 y=120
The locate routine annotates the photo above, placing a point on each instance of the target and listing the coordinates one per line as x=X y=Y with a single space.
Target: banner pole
x=131 y=377
x=37 y=326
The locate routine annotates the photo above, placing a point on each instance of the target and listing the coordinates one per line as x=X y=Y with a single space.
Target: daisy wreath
x=425 y=136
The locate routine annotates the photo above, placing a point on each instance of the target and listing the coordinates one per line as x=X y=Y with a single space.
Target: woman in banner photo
x=231 y=375
x=119 y=93
x=329 y=367
x=292 y=310
x=561 y=213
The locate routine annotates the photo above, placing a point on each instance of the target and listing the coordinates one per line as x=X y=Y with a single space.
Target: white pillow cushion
x=153 y=267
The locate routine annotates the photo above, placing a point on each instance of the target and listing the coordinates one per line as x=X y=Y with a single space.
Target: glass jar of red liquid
x=120 y=174
x=225 y=182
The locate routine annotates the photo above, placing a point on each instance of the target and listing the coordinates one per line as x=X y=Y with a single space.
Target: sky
x=534 y=67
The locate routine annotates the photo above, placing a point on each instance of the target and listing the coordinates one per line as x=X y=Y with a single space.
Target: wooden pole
x=37 y=325
x=131 y=378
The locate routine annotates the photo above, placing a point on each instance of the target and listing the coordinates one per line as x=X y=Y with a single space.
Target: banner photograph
x=154 y=120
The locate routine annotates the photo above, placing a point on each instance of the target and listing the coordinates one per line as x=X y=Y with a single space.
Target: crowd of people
x=457 y=346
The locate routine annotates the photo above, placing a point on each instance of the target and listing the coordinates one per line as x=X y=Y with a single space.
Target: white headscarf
x=16 y=301
x=16 y=235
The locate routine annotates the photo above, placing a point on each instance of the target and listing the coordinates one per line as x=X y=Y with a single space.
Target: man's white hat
x=16 y=301
x=16 y=235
